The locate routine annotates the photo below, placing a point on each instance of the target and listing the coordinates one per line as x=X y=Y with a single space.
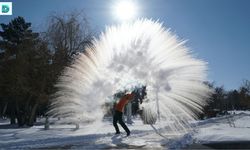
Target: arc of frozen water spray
x=143 y=51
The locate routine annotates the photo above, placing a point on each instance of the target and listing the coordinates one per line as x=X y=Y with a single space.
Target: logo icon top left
x=5 y=8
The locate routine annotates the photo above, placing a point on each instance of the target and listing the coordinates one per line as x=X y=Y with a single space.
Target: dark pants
x=118 y=117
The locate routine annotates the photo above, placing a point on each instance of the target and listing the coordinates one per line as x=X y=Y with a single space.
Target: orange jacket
x=123 y=101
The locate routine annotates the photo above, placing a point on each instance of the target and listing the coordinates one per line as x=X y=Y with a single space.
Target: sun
x=125 y=10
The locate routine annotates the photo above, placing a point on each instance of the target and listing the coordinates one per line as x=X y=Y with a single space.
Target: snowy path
x=101 y=135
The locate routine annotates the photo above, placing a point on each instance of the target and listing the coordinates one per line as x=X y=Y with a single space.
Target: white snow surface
x=101 y=135
x=219 y=129
x=89 y=136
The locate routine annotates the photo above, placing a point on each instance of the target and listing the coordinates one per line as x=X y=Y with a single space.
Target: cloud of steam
x=142 y=52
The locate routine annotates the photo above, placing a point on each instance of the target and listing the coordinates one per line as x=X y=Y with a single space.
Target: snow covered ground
x=101 y=135
x=234 y=127
x=92 y=136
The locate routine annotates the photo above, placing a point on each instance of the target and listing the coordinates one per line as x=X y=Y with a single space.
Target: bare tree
x=68 y=34
x=244 y=92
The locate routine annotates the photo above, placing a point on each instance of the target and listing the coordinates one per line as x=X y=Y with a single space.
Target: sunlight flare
x=125 y=10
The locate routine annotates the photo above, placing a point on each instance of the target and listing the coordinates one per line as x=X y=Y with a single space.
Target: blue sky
x=218 y=31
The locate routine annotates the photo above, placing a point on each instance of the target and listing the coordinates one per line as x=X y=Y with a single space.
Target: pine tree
x=24 y=74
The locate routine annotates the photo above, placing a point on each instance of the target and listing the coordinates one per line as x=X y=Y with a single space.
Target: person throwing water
x=119 y=109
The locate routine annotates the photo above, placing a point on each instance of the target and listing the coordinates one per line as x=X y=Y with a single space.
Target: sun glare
x=125 y=10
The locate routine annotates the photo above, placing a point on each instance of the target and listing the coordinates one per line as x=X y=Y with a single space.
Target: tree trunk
x=33 y=115
x=5 y=108
x=27 y=110
x=20 y=116
x=12 y=115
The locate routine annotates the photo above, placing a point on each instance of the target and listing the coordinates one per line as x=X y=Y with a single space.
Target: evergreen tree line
x=222 y=101
x=31 y=62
